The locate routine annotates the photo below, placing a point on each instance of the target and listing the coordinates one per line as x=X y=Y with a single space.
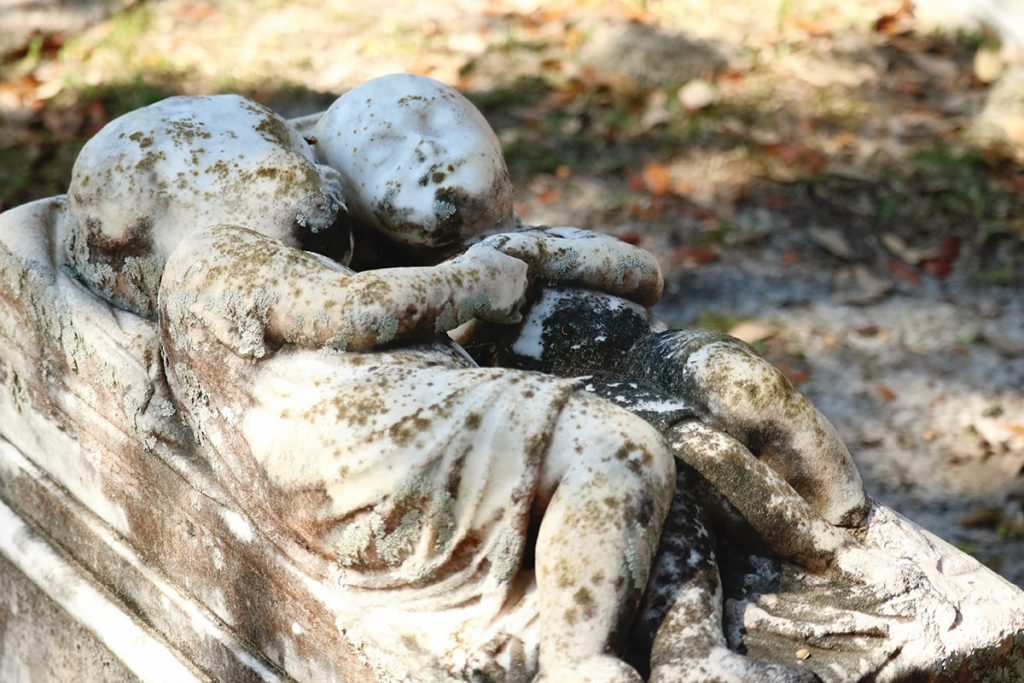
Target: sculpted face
x=156 y=174
x=419 y=163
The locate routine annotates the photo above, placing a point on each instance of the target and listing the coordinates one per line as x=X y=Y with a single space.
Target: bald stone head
x=419 y=163
x=154 y=175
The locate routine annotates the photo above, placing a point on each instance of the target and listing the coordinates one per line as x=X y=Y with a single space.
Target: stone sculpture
x=320 y=448
x=873 y=597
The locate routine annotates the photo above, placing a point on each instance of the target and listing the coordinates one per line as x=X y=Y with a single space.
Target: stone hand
x=504 y=286
x=586 y=259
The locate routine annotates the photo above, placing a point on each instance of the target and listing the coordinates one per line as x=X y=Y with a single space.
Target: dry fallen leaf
x=656 y=178
x=812 y=28
x=988 y=64
x=696 y=94
x=904 y=272
x=984 y=517
x=753 y=331
x=898 y=21
x=795 y=375
x=698 y=255
x=656 y=111
x=635 y=183
x=1005 y=345
x=832 y=241
x=858 y=285
x=885 y=393
x=908 y=254
x=549 y=196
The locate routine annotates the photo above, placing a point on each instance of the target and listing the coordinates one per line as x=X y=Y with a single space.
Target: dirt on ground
x=840 y=184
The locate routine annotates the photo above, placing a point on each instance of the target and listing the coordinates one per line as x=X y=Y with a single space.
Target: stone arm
x=886 y=601
x=586 y=259
x=248 y=289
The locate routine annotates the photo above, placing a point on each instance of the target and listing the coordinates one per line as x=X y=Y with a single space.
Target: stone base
x=40 y=642
x=83 y=594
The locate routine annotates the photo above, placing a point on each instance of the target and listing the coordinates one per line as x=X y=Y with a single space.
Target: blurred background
x=840 y=184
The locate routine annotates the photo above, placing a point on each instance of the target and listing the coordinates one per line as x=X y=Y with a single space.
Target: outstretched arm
x=588 y=259
x=249 y=289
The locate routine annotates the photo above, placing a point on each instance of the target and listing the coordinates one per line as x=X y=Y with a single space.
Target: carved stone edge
x=143 y=653
x=143 y=619
x=181 y=612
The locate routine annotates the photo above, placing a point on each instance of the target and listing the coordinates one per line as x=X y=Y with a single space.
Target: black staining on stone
x=136 y=242
x=644 y=511
x=582 y=334
x=336 y=242
x=449 y=204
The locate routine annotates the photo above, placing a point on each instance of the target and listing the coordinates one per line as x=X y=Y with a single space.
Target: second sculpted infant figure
x=502 y=522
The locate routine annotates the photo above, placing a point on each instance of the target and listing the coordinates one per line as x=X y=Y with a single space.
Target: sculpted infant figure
x=822 y=582
x=330 y=402
x=494 y=523
x=408 y=471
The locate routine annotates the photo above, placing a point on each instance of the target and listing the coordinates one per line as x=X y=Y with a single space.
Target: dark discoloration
x=136 y=242
x=172 y=168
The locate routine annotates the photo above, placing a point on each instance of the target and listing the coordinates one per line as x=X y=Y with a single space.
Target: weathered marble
x=875 y=597
x=267 y=465
x=418 y=162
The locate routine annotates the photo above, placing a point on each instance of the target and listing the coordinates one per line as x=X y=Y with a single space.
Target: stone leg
x=781 y=517
x=885 y=602
x=607 y=483
x=736 y=391
x=679 y=628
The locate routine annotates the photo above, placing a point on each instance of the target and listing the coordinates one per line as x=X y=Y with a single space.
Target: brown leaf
x=898 y=21
x=198 y=13
x=648 y=210
x=635 y=183
x=549 y=196
x=781 y=203
x=563 y=172
x=942 y=264
x=795 y=375
x=656 y=178
x=693 y=254
x=937 y=268
x=812 y=28
x=904 y=272
x=984 y=517
x=885 y=393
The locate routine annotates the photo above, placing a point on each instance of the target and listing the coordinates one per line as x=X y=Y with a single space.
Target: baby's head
x=420 y=166
x=572 y=332
x=156 y=174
